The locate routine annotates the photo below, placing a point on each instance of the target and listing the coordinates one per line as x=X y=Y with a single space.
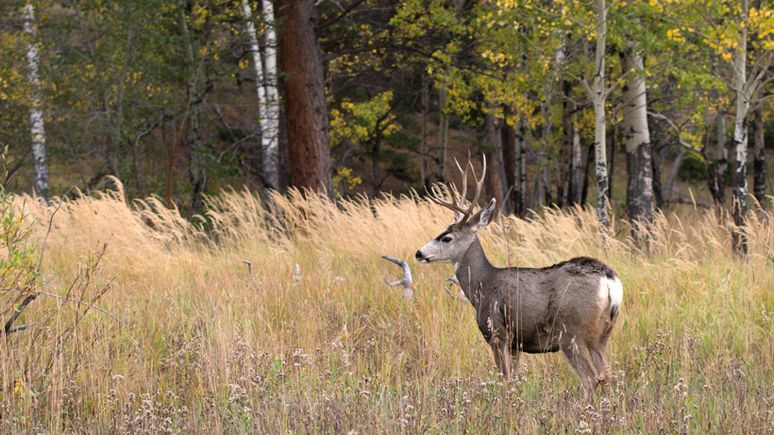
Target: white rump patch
x=612 y=289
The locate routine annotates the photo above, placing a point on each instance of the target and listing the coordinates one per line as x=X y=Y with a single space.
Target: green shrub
x=694 y=168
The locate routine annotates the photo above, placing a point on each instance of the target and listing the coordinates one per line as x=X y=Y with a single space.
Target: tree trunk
x=196 y=167
x=639 y=187
x=443 y=133
x=260 y=90
x=270 y=130
x=598 y=96
x=284 y=146
x=520 y=190
x=536 y=199
x=658 y=190
x=37 y=127
x=717 y=167
x=566 y=158
x=304 y=90
x=509 y=165
x=269 y=166
x=509 y=162
x=669 y=188
x=574 y=196
x=740 y=137
x=614 y=139
x=493 y=139
x=423 y=145
x=586 y=170
x=759 y=152
x=549 y=199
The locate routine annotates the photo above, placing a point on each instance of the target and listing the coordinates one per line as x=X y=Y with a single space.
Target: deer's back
x=539 y=302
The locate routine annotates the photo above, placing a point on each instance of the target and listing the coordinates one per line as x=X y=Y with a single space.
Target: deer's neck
x=472 y=271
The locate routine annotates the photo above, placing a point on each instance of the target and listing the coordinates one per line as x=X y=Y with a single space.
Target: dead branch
x=17 y=312
x=680 y=198
x=86 y=304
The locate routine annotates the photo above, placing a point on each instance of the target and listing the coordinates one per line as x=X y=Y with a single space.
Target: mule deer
x=571 y=306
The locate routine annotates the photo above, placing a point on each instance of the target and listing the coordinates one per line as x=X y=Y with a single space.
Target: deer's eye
x=446 y=239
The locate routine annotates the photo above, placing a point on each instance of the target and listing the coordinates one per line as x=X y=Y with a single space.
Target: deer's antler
x=461 y=212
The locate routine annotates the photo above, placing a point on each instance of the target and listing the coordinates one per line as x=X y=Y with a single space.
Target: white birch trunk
x=598 y=96
x=740 y=134
x=639 y=199
x=635 y=118
x=269 y=178
x=37 y=127
x=270 y=133
x=576 y=167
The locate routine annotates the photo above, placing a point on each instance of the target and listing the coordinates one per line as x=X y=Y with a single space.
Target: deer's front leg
x=501 y=350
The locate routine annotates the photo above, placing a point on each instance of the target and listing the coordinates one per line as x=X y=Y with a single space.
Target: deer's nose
x=418 y=255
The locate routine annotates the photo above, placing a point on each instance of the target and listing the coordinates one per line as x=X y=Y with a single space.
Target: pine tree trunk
x=639 y=188
x=740 y=138
x=37 y=127
x=759 y=164
x=304 y=91
x=270 y=133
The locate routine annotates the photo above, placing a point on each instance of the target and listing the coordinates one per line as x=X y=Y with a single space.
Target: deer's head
x=450 y=246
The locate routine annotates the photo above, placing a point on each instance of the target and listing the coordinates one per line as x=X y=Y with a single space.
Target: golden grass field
x=206 y=347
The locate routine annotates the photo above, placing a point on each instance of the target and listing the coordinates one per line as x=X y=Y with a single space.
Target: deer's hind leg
x=598 y=351
x=579 y=356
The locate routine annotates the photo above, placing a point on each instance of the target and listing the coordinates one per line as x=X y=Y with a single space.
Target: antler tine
x=434 y=195
x=479 y=182
x=461 y=201
x=458 y=204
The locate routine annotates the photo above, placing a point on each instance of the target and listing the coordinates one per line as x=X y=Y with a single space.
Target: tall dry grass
x=205 y=346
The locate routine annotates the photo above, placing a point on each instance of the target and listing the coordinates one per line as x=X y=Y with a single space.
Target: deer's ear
x=483 y=217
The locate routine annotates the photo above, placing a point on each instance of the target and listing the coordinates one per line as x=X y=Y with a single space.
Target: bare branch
x=680 y=198
x=677 y=129
x=48 y=230
x=17 y=312
x=18 y=328
x=81 y=302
